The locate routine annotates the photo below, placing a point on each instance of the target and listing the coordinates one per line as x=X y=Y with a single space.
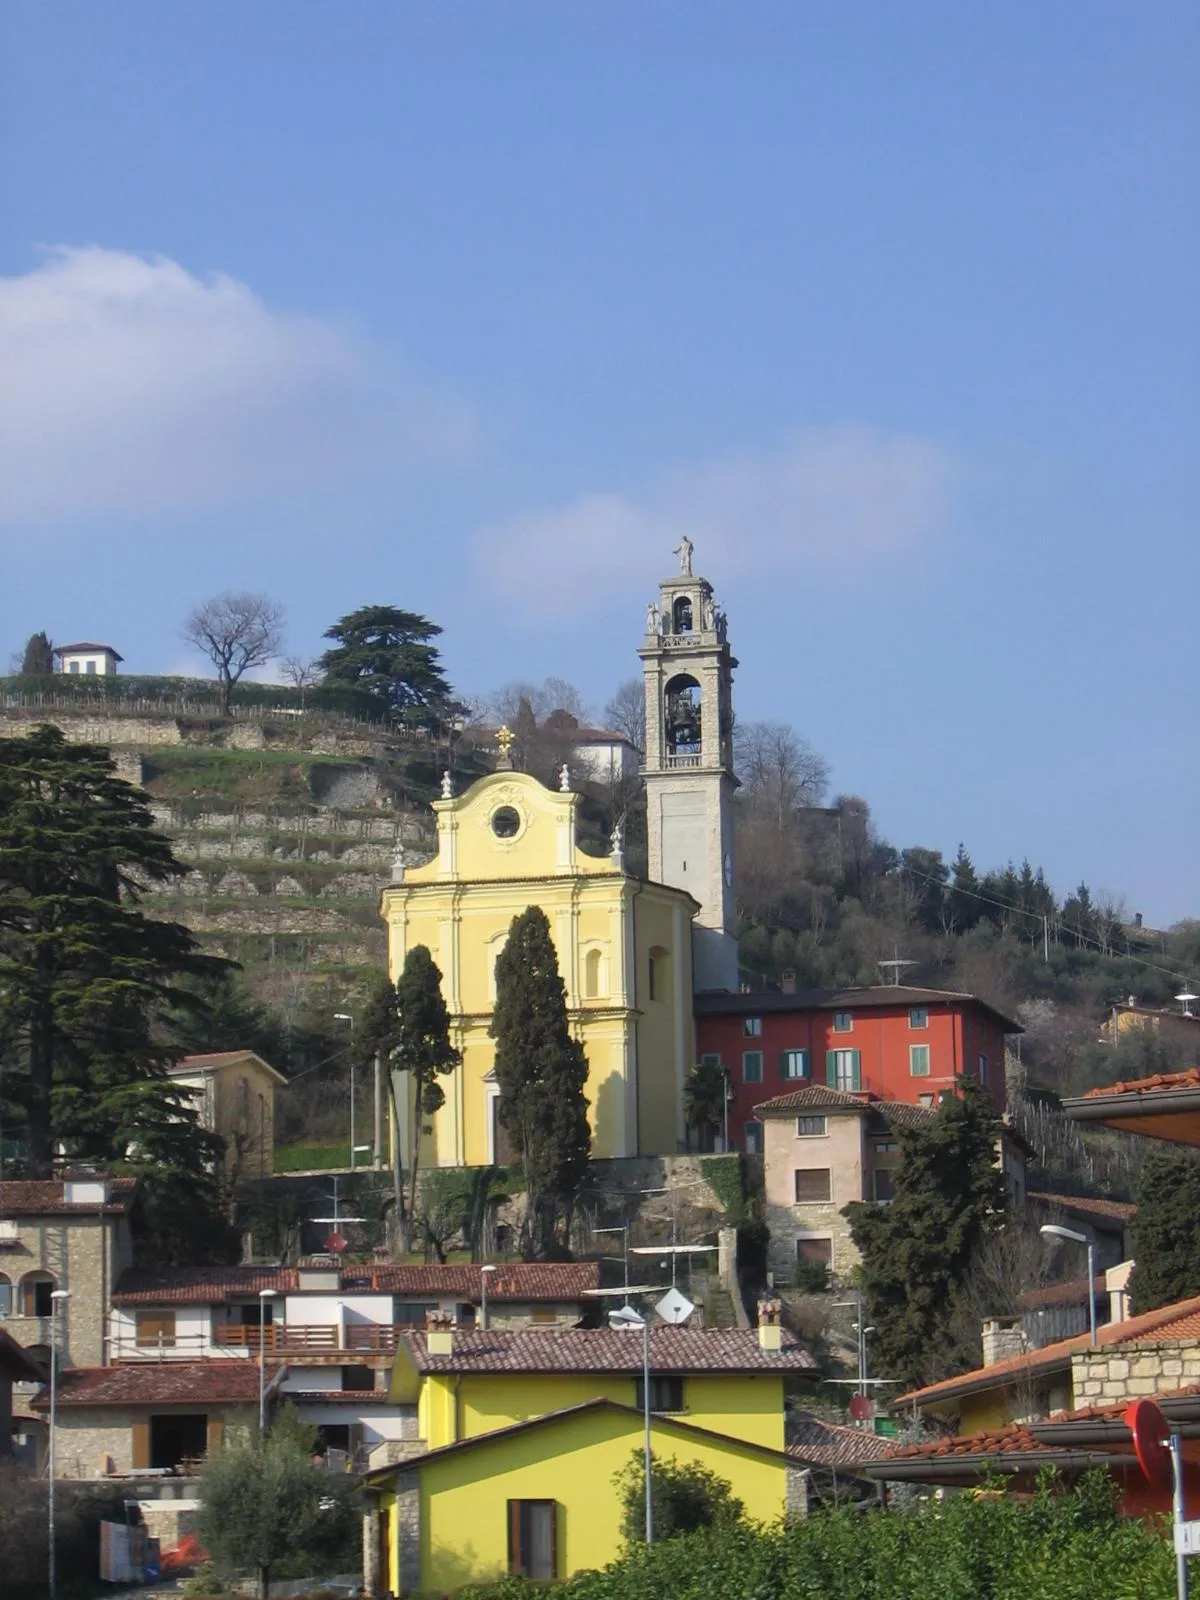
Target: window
x=658 y=974
x=73 y=666
x=155 y=1330
x=91 y=668
x=666 y=1394
x=752 y=1027
x=359 y=1379
x=533 y=1539
x=818 y=1251
x=918 y=1060
x=752 y=1066
x=506 y=822
x=885 y=1184
x=36 y=1289
x=887 y=1147
x=793 y=1064
x=843 y=1021
x=543 y=1316
x=711 y=1059
x=925 y=1100
x=592 y=974
x=810 y=1127
x=983 y=1070
x=411 y=1312
x=918 y=1017
x=813 y=1186
x=842 y=1070
x=5 y=1297
x=754 y=1138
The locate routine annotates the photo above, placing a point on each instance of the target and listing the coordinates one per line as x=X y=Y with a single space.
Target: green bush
x=1059 y=1546
x=684 y=1498
x=723 y=1174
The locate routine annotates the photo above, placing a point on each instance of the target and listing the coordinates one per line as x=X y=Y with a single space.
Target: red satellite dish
x=1149 y=1428
x=862 y=1407
x=335 y=1244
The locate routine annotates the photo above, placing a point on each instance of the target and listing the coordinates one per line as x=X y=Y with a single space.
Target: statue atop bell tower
x=689 y=762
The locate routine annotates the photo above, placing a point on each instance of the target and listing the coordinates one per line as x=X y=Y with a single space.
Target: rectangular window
x=35 y=1297
x=752 y=1027
x=983 y=1070
x=533 y=1539
x=155 y=1330
x=925 y=1100
x=543 y=1315
x=793 y=1064
x=666 y=1394
x=73 y=667
x=653 y=985
x=754 y=1138
x=818 y=1251
x=887 y=1147
x=711 y=1058
x=412 y=1312
x=813 y=1186
x=885 y=1184
x=843 y=1021
x=918 y=1017
x=358 y=1379
x=810 y=1127
x=918 y=1060
x=842 y=1070
x=91 y=667
x=752 y=1066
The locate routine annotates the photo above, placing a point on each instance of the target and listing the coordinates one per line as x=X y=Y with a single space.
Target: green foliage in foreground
x=684 y=1498
x=1060 y=1546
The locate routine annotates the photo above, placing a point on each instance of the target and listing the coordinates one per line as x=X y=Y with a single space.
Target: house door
x=384 y=1585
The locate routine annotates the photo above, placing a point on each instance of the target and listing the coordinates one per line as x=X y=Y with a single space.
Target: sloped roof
x=819 y=1098
x=539 y=1281
x=876 y=997
x=1073 y=1293
x=832 y=1444
x=45 y=1197
x=86 y=644
x=215 y=1059
x=1085 y=1205
x=672 y=1350
x=1161 y=1082
x=176 y=1383
x=17 y=1364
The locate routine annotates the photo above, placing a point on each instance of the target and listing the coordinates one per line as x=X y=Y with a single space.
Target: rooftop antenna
x=892 y=970
x=1185 y=999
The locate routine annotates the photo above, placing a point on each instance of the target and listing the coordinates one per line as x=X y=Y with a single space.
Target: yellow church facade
x=624 y=953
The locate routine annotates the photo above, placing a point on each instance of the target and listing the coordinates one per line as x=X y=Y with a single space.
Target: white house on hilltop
x=92 y=660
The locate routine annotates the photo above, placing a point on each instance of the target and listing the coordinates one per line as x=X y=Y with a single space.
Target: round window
x=506 y=822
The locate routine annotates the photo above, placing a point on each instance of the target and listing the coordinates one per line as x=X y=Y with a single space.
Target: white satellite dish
x=674 y=1307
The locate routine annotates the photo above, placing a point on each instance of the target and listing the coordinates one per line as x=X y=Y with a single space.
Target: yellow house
x=624 y=952
x=527 y=1434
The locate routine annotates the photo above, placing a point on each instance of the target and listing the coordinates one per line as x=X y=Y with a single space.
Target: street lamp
x=484 y=1274
x=57 y=1296
x=1054 y=1230
x=263 y=1296
x=625 y=1317
x=344 y=1016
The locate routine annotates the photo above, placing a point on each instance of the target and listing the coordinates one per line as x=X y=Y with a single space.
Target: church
x=632 y=952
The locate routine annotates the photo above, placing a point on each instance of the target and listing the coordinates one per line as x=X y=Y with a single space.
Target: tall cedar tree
x=1165 y=1231
x=84 y=973
x=542 y=1072
x=409 y=1024
x=383 y=665
x=916 y=1251
x=38 y=659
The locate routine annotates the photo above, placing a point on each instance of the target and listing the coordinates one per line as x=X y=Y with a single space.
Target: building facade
x=234 y=1092
x=87 y=660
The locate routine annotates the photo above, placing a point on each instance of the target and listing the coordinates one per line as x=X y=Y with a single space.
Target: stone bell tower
x=689 y=762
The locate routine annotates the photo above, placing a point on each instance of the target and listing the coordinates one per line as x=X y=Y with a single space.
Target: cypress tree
x=916 y=1251
x=542 y=1072
x=38 y=658
x=1165 y=1232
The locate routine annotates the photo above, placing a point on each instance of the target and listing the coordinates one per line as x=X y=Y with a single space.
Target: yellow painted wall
x=604 y=923
x=464 y=1517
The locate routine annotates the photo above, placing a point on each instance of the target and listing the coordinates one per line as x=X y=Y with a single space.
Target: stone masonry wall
x=1126 y=1372
x=79 y=1254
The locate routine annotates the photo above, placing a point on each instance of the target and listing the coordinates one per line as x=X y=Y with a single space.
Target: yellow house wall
x=463 y=1498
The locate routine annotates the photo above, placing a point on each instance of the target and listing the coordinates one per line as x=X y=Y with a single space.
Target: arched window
x=683 y=716
x=681 y=615
x=5 y=1296
x=36 y=1289
x=593 y=975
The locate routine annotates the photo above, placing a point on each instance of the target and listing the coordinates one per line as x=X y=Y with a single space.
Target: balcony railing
x=303 y=1339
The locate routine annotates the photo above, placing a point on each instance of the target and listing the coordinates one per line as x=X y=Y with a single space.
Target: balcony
x=299 y=1339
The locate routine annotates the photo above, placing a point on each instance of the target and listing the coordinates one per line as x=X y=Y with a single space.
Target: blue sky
x=474 y=308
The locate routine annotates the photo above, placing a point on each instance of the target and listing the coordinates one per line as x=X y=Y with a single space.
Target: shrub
x=684 y=1497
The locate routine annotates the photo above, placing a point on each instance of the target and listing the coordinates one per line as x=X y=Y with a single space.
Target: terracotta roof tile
x=877 y=996
x=537 y=1281
x=43 y=1197
x=672 y=1350
x=160 y=1383
x=819 y=1097
x=1160 y=1081
x=998 y=1441
x=831 y=1444
x=1085 y=1205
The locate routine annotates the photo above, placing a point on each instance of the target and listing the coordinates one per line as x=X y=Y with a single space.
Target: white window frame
x=846 y=1088
x=820 y=1133
x=919 y=1052
x=918 y=1011
x=806 y=1062
x=752 y=1027
x=983 y=1070
x=753 y=1140
x=843 y=1022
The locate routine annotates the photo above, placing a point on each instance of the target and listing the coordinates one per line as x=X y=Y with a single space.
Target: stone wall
x=1126 y=1372
x=82 y=1254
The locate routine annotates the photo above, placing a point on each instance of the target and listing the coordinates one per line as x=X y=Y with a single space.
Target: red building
x=890 y=1043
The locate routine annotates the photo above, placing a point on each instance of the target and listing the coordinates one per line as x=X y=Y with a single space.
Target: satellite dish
x=674 y=1307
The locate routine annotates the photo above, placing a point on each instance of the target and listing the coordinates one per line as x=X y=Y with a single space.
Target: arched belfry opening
x=681 y=615
x=684 y=716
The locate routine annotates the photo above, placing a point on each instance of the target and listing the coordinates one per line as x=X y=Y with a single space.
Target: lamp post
x=1054 y=1230
x=484 y=1274
x=626 y=1317
x=57 y=1296
x=344 y=1016
x=728 y=1095
x=264 y=1295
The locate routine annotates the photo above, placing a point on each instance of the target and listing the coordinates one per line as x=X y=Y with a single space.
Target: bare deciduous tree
x=553 y=694
x=626 y=712
x=781 y=773
x=301 y=674
x=236 y=631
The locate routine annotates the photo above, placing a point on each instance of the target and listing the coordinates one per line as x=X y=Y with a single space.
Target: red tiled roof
x=537 y=1281
x=672 y=1350
x=1168 y=1323
x=161 y=1383
x=993 y=1442
x=1160 y=1081
x=830 y=1444
x=876 y=997
x=43 y=1197
x=1074 y=1293
x=1085 y=1205
x=819 y=1097
x=221 y=1058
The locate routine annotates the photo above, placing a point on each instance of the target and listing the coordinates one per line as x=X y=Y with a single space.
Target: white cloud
x=839 y=501
x=130 y=386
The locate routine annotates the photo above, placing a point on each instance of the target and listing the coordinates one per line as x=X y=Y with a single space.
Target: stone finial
x=770 y=1327
x=653 y=618
x=504 y=738
x=564 y=778
x=398 y=864
x=447 y=787
x=769 y=1311
x=616 y=852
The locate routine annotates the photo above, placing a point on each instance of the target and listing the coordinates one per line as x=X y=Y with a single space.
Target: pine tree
x=965 y=906
x=38 y=658
x=917 y=1250
x=542 y=1072
x=85 y=974
x=1165 y=1232
x=383 y=664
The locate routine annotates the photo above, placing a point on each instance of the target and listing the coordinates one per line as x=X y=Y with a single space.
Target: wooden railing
x=302 y=1339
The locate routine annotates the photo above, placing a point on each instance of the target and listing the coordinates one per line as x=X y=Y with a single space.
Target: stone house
x=63 y=1233
x=234 y=1091
x=17 y=1366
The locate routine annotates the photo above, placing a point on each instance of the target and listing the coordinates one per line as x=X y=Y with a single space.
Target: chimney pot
x=1003 y=1337
x=787 y=981
x=770 y=1329
x=439 y=1333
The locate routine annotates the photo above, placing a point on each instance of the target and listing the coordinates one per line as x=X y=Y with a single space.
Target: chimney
x=439 y=1333
x=1116 y=1281
x=770 y=1330
x=1002 y=1337
x=787 y=980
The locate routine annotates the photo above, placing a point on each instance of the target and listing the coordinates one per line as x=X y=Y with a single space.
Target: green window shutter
x=857 y=1072
x=831 y=1068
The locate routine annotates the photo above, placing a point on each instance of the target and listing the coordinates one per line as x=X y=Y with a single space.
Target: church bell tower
x=689 y=762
